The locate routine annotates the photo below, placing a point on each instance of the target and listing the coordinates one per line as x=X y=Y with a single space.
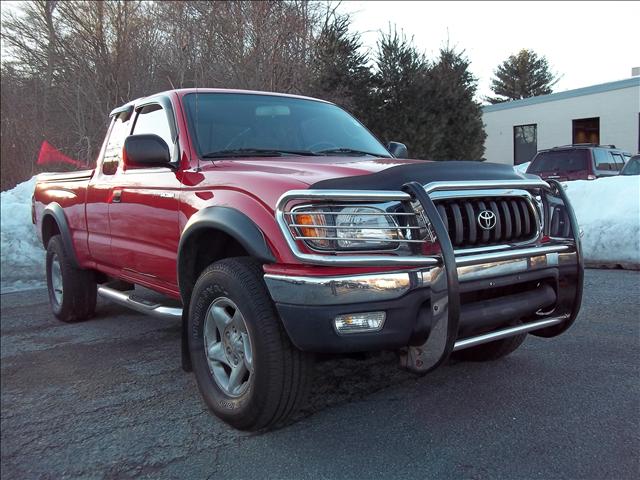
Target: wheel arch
x=226 y=232
x=54 y=222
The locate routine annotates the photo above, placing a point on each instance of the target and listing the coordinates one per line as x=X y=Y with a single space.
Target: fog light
x=359 y=322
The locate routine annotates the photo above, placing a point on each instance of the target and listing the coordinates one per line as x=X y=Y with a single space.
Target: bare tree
x=71 y=62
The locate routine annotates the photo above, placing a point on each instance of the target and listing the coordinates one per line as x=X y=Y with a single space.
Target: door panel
x=144 y=223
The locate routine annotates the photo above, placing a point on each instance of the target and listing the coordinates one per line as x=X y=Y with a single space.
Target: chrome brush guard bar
x=445 y=296
x=349 y=259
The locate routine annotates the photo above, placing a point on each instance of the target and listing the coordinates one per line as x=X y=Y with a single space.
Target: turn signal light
x=359 y=322
x=312 y=219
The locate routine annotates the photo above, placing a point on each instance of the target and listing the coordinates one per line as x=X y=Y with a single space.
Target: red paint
x=136 y=238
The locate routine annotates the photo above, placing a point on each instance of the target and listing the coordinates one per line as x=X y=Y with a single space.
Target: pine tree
x=521 y=76
x=459 y=130
x=428 y=106
x=340 y=67
x=401 y=87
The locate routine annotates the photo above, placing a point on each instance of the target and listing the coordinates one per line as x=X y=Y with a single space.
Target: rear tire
x=233 y=325
x=491 y=351
x=72 y=291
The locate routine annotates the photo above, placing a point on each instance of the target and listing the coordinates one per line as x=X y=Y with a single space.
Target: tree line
x=67 y=64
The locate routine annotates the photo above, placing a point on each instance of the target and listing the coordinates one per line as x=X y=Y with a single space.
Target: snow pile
x=608 y=211
x=21 y=253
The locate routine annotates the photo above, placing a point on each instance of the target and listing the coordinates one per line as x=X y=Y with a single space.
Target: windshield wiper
x=349 y=151
x=255 y=152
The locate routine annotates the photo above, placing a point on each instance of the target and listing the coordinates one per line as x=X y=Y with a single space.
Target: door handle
x=116 y=196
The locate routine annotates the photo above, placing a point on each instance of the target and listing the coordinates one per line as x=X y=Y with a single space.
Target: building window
x=586 y=130
x=525 y=143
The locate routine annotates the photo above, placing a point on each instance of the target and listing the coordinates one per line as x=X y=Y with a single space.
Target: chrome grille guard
x=445 y=291
x=285 y=218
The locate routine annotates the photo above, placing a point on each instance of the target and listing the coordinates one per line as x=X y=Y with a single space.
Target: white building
x=605 y=114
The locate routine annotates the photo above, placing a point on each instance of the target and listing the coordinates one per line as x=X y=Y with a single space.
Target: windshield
x=560 y=161
x=632 y=167
x=228 y=124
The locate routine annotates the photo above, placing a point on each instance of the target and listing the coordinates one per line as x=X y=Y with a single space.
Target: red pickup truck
x=277 y=226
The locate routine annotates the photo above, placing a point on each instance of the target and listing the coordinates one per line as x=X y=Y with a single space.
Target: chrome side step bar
x=141 y=305
x=508 y=332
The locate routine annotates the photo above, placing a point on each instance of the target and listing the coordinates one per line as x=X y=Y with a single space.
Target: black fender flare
x=235 y=224
x=55 y=211
x=230 y=221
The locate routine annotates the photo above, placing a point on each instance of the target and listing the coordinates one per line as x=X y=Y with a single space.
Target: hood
x=424 y=172
x=309 y=170
x=268 y=178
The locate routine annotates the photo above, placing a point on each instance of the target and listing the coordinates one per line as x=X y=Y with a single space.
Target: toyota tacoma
x=277 y=226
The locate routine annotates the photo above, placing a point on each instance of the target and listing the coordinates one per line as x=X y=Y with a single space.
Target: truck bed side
x=59 y=207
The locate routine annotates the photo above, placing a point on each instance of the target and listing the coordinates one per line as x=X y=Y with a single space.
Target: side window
x=113 y=151
x=603 y=159
x=619 y=161
x=153 y=119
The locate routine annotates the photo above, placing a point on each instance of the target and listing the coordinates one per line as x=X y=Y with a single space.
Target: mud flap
x=445 y=295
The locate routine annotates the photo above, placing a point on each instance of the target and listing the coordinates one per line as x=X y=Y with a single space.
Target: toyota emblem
x=487 y=219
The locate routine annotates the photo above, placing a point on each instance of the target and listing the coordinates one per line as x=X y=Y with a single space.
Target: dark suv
x=578 y=162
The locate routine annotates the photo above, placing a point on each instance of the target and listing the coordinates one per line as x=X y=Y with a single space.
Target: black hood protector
x=393 y=178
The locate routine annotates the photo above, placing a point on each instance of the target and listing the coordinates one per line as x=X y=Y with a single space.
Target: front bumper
x=308 y=305
x=458 y=302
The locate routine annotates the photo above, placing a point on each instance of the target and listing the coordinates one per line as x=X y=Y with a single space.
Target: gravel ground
x=107 y=399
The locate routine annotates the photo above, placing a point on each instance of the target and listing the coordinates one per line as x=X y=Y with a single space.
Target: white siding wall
x=617 y=110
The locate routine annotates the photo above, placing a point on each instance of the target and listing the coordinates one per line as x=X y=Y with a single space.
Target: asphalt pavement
x=107 y=399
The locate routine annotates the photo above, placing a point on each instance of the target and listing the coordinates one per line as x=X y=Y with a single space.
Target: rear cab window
x=561 y=161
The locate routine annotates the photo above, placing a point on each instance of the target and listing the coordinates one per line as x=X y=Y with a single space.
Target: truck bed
x=64 y=194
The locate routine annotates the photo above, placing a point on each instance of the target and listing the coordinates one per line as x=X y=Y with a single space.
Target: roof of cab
x=181 y=92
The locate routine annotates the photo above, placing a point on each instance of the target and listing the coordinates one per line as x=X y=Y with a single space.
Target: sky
x=586 y=42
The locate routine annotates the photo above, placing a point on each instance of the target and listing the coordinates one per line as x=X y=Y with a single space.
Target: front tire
x=248 y=372
x=72 y=291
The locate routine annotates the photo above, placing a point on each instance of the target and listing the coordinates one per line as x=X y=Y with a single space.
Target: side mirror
x=398 y=150
x=146 y=150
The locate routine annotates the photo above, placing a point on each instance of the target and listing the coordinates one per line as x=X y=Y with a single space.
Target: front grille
x=515 y=220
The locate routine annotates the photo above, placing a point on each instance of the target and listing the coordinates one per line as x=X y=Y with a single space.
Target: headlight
x=346 y=228
x=365 y=227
